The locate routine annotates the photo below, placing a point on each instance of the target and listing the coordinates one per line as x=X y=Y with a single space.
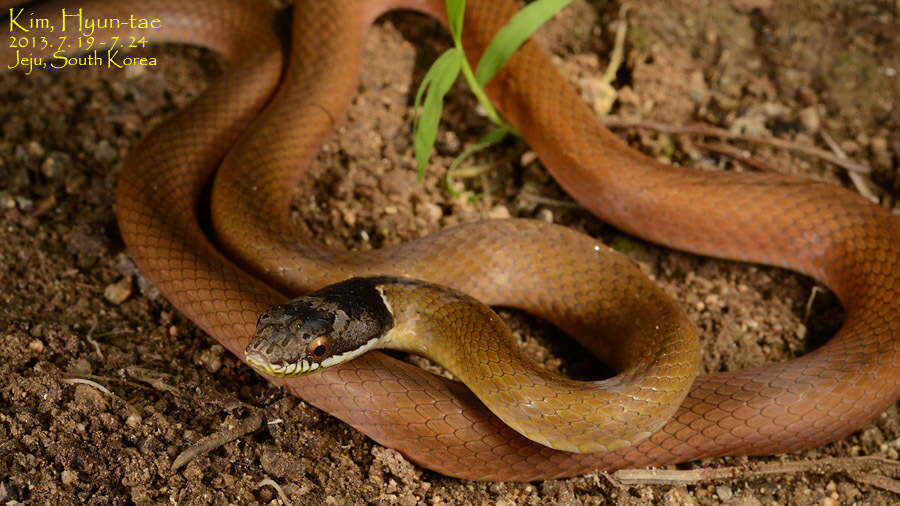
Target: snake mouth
x=258 y=361
x=290 y=369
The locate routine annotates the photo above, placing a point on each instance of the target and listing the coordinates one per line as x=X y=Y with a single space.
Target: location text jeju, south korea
x=71 y=37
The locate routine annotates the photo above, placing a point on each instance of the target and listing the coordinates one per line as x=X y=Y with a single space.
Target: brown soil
x=791 y=69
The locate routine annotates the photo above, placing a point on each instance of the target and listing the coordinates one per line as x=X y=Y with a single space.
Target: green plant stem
x=479 y=92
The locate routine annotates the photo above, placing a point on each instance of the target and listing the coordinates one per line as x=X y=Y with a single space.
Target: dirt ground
x=797 y=70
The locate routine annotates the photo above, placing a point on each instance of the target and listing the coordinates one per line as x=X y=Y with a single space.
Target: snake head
x=325 y=328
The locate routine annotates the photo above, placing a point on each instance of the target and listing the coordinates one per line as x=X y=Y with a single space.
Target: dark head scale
x=324 y=328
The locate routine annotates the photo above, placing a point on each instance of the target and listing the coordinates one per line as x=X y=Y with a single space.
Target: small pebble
x=810 y=119
x=499 y=212
x=398 y=182
x=527 y=158
x=81 y=367
x=36 y=346
x=132 y=71
x=724 y=492
x=6 y=201
x=119 y=291
x=34 y=148
x=25 y=204
x=44 y=205
x=880 y=151
x=348 y=216
x=431 y=211
x=698 y=90
x=133 y=421
x=68 y=478
x=212 y=358
x=448 y=144
x=104 y=152
x=545 y=215
x=55 y=164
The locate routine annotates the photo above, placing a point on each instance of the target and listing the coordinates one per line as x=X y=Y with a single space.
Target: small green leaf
x=435 y=85
x=513 y=35
x=455 y=11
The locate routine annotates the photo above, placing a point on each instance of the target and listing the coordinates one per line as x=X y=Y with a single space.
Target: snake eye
x=319 y=348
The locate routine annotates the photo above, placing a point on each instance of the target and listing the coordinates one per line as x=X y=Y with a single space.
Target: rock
x=68 y=478
x=397 y=182
x=499 y=212
x=698 y=90
x=56 y=164
x=724 y=492
x=36 y=346
x=34 y=148
x=430 y=211
x=119 y=291
x=133 y=421
x=810 y=119
x=527 y=157
x=880 y=151
x=448 y=144
x=25 y=204
x=7 y=201
x=105 y=152
x=545 y=215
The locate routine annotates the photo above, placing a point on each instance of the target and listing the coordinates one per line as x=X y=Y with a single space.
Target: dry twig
x=213 y=441
x=860 y=181
x=711 y=131
x=737 y=154
x=98 y=386
x=537 y=199
x=858 y=468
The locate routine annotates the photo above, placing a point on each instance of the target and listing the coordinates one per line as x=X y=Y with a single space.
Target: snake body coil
x=341 y=321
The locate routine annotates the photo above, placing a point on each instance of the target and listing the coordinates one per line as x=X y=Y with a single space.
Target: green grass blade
x=513 y=35
x=491 y=138
x=435 y=85
x=455 y=11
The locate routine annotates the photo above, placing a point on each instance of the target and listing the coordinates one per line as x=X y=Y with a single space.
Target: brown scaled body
x=824 y=231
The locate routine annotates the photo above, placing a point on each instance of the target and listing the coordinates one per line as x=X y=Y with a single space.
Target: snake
x=225 y=280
